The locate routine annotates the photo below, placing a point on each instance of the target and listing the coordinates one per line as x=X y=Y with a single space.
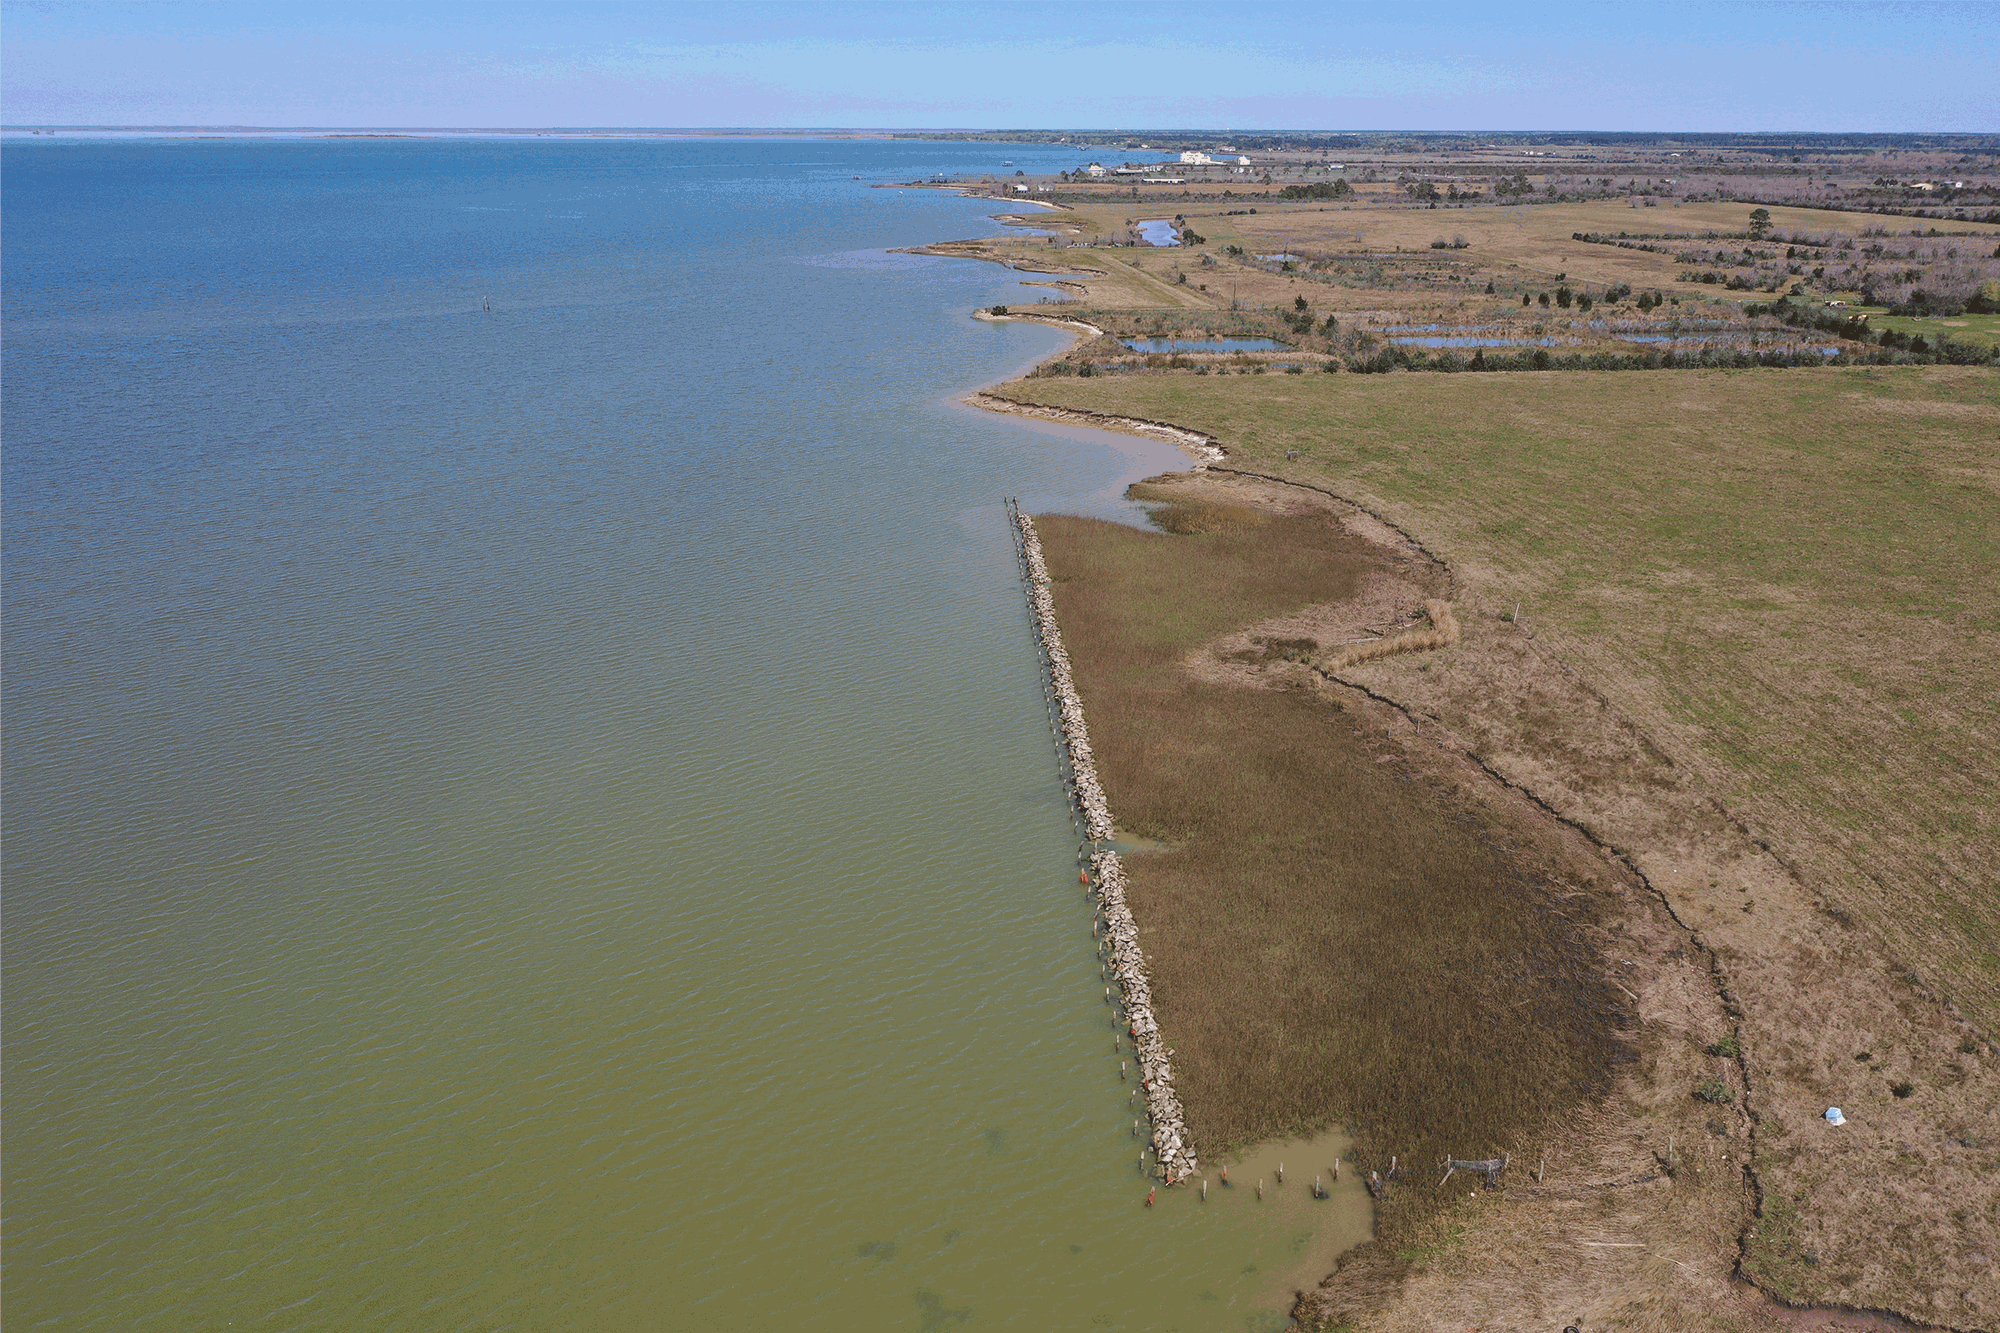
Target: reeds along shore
x=1118 y=941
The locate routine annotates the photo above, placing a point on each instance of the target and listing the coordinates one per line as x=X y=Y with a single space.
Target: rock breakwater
x=1116 y=931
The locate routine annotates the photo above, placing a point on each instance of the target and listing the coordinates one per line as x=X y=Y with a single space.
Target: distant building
x=1095 y=169
x=1242 y=161
x=1197 y=160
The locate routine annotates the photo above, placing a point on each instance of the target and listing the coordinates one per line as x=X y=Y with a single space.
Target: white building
x=1197 y=160
x=1095 y=169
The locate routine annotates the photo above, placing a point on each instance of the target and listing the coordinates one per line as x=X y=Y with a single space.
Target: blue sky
x=1006 y=63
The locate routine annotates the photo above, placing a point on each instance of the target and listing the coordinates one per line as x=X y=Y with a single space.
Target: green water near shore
x=547 y=820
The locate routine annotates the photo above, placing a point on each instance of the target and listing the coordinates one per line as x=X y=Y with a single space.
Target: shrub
x=1729 y=1046
x=1903 y=1089
x=1715 y=1092
x=1318 y=190
x=999 y=310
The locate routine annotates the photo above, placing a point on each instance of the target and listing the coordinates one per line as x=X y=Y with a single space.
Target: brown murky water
x=546 y=819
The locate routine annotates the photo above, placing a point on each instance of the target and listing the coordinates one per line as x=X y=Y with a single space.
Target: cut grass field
x=1756 y=653
x=1980 y=330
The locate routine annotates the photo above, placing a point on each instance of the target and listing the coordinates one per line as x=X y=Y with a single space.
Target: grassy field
x=1527 y=248
x=1756 y=652
x=1789 y=573
x=1980 y=330
x=1331 y=937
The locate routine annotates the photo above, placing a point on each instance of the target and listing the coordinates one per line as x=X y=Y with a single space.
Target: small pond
x=1159 y=233
x=1474 y=342
x=1283 y=259
x=1203 y=344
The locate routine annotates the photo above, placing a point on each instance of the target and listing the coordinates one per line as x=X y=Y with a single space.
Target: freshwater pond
x=1158 y=232
x=1737 y=339
x=1441 y=341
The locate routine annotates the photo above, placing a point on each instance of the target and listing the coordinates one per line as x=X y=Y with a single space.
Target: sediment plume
x=1119 y=938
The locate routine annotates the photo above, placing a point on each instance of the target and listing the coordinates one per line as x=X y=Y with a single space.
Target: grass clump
x=1714 y=1091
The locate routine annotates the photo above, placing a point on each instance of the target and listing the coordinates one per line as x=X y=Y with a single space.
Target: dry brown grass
x=1762 y=610
x=1517 y=248
x=1332 y=937
x=1443 y=633
x=1786 y=577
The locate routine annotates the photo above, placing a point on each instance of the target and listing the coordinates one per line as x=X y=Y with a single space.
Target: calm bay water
x=545 y=818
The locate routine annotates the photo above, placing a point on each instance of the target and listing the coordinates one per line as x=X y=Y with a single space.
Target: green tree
x=1760 y=222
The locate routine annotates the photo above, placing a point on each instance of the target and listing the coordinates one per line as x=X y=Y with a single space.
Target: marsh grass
x=1443 y=633
x=1331 y=939
x=1787 y=576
